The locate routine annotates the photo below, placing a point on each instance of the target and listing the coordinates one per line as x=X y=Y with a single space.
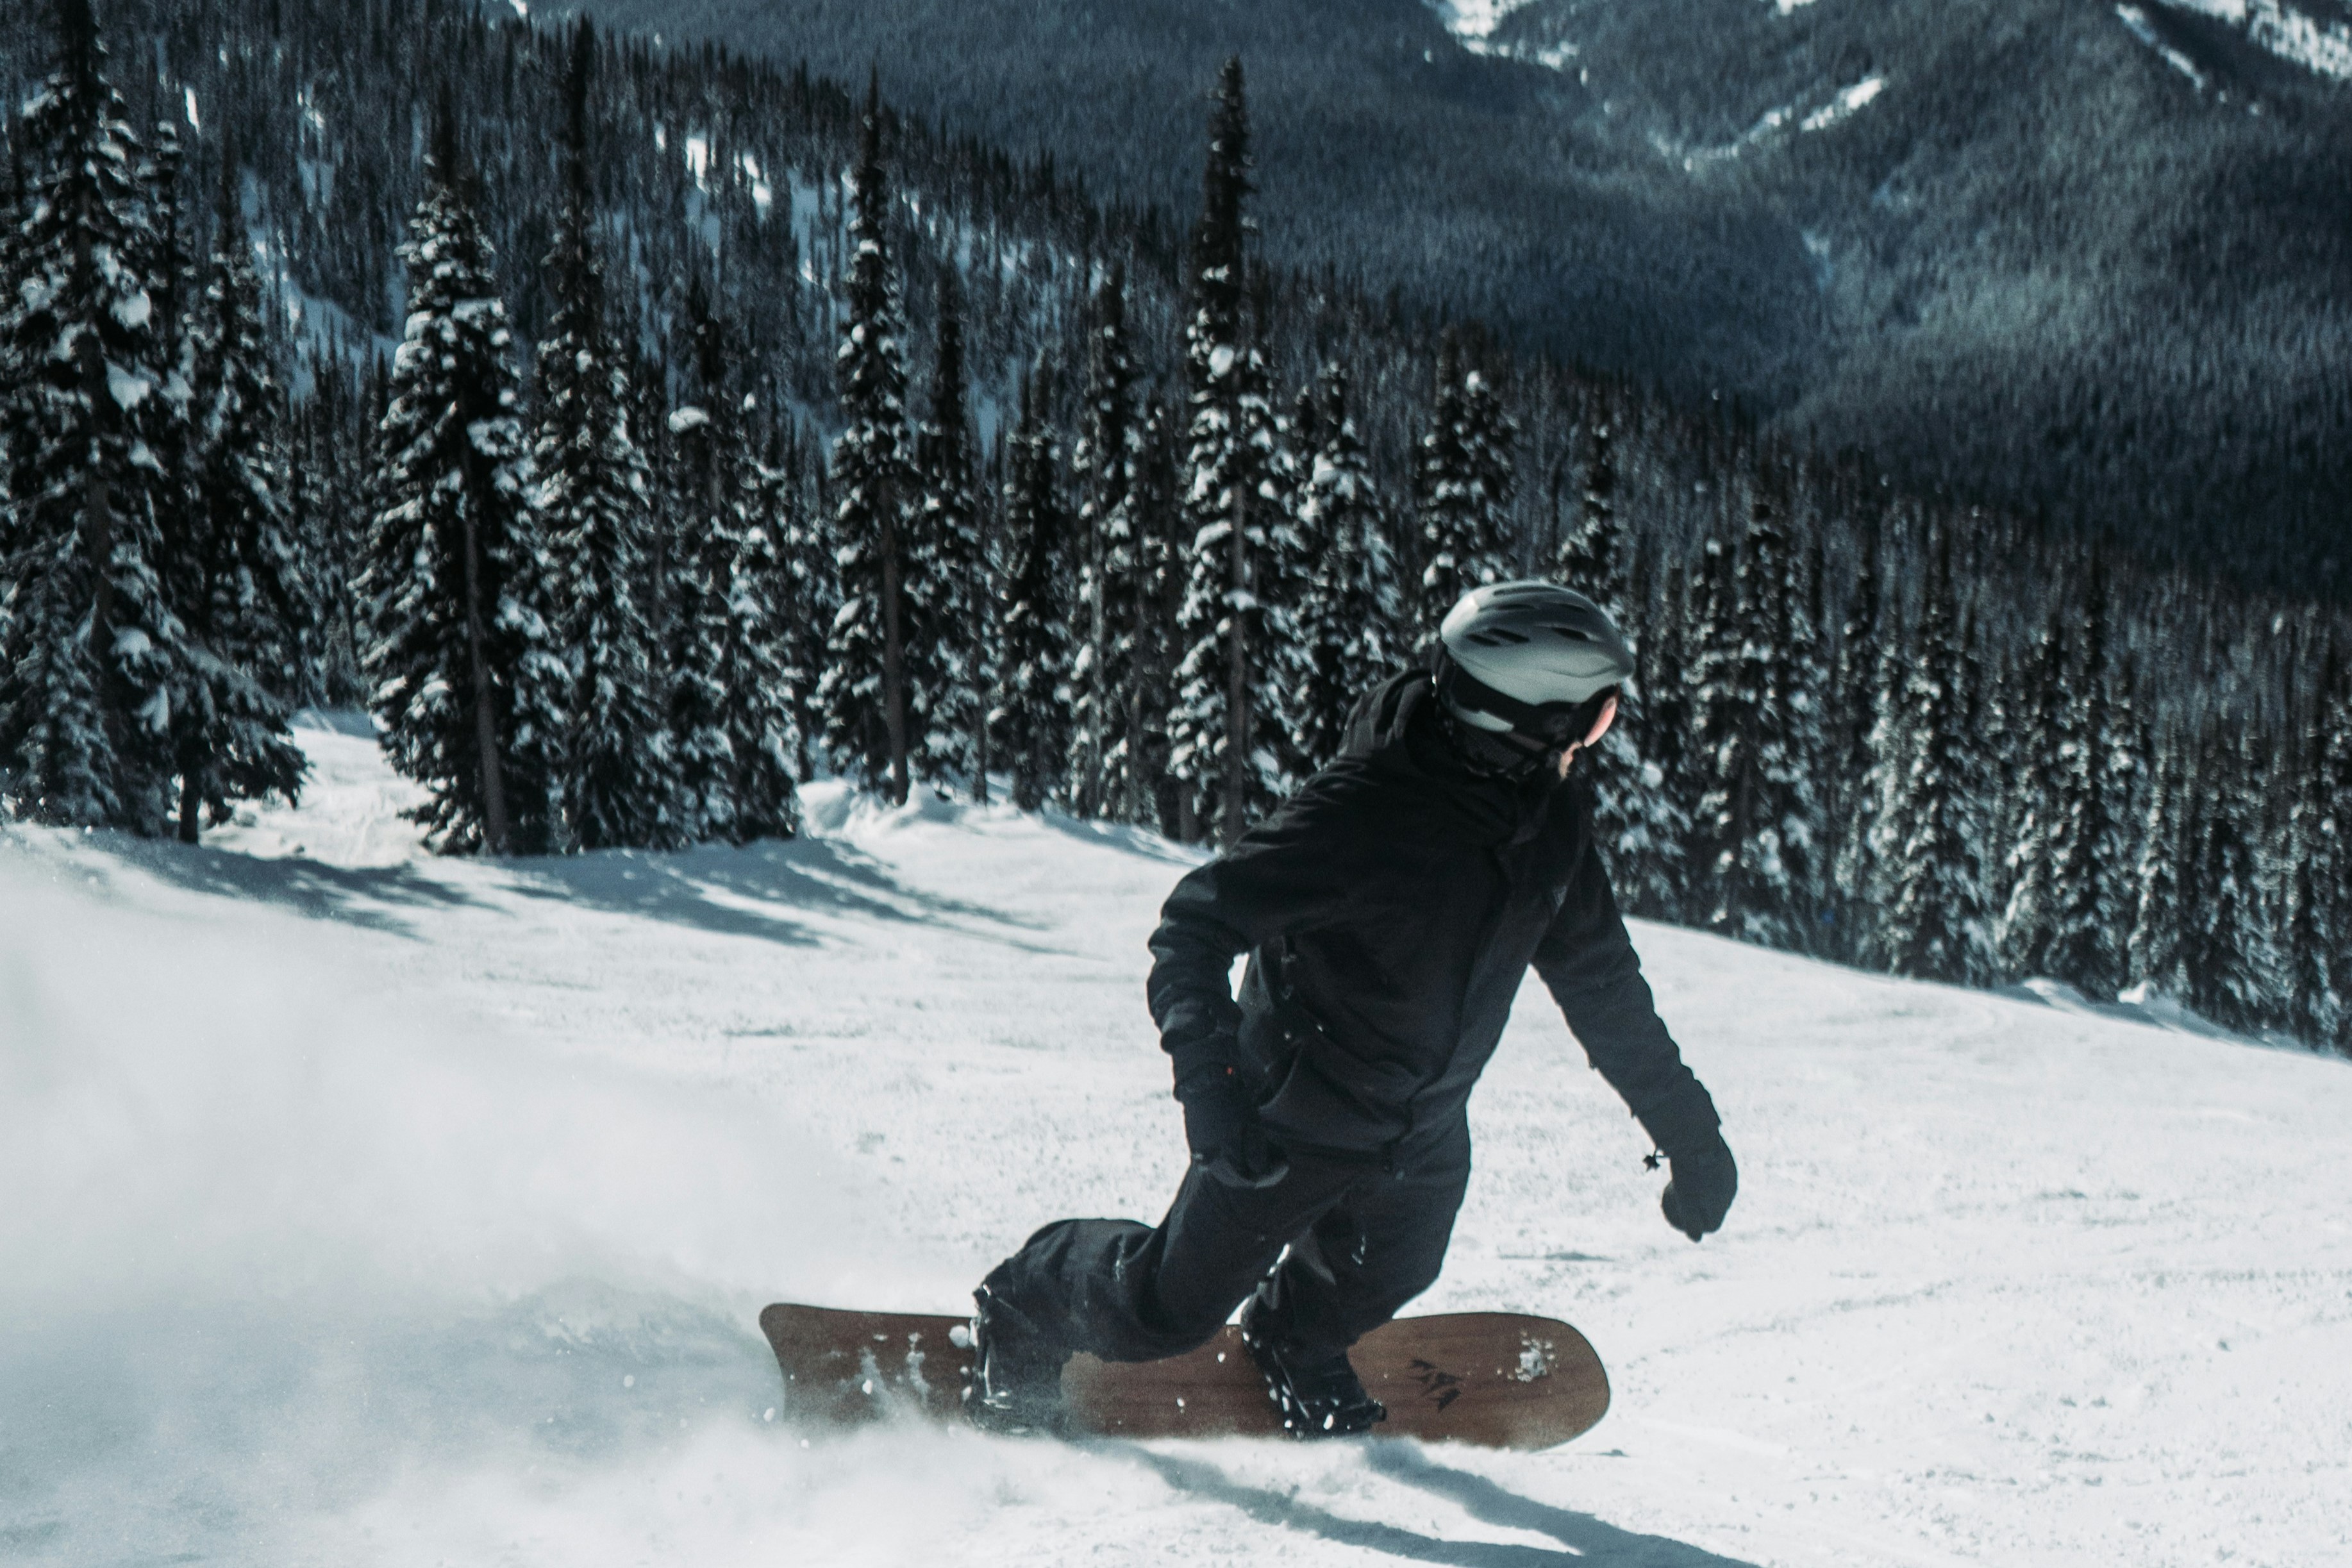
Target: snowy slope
x=2319 y=44
x=364 y=1208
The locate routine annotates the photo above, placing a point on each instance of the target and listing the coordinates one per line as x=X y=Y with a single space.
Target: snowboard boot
x=1318 y=1393
x=1015 y=1383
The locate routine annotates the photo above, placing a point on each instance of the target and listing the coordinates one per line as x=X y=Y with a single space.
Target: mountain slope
x=2038 y=265
x=397 y=1210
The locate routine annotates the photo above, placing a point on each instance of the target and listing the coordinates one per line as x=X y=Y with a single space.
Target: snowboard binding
x=1316 y=1395
x=1015 y=1385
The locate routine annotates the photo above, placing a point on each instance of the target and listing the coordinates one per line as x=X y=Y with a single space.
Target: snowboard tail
x=1498 y=1380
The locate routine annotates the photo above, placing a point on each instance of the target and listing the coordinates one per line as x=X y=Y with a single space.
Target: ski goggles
x=1556 y=726
x=1561 y=725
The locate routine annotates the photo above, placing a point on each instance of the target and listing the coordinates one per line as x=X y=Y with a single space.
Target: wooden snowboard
x=1496 y=1379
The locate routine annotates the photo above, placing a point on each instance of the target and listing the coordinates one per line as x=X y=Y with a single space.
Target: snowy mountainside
x=372 y=1208
x=2042 y=267
x=2321 y=44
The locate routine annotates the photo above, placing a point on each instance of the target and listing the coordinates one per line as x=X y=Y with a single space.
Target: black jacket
x=1390 y=908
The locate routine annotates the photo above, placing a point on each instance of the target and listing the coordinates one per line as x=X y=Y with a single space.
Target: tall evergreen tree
x=2336 y=768
x=2167 y=840
x=596 y=503
x=706 y=527
x=1593 y=557
x=953 y=560
x=1934 y=921
x=1102 y=469
x=868 y=715
x=1755 y=823
x=1463 y=484
x=757 y=710
x=1653 y=878
x=2227 y=950
x=1643 y=828
x=1225 y=679
x=238 y=580
x=2067 y=915
x=2318 y=867
x=1349 y=619
x=90 y=650
x=324 y=494
x=1140 y=778
x=469 y=685
x=811 y=587
x=1862 y=676
x=1032 y=712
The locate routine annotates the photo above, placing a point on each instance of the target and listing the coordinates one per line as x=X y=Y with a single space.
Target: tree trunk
x=98 y=504
x=189 y=804
x=894 y=674
x=982 y=701
x=1090 y=802
x=1237 y=705
x=486 y=724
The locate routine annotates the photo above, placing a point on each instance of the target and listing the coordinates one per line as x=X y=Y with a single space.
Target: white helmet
x=1530 y=656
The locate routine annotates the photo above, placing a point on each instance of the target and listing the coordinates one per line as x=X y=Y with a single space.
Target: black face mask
x=1504 y=754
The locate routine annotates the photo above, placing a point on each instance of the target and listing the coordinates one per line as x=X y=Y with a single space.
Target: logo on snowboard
x=1442 y=1387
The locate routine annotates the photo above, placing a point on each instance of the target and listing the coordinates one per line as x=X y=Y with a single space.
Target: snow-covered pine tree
x=237 y=577
x=1032 y=712
x=1348 y=621
x=1755 y=823
x=1592 y=558
x=2169 y=839
x=1641 y=827
x=1226 y=685
x=322 y=495
x=1283 y=573
x=88 y=648
x=1658 y=885
x=2227 y=946
x=953 y=560
x=595 y=506
x=1102 y=471
x=1861 y=679
x=1463 y=484
x=1140 y=779
x=869 y=711
x=468 y=682
x=757 y=710
x=2033 y=728
x=706 y=527
x=2317 y=871
x=1809 y=700
x=811 y=598
x=2067 y=914
x=2335 y=767
x=1930 y=874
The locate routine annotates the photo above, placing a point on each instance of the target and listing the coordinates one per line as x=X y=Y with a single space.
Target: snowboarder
x=1390 y=909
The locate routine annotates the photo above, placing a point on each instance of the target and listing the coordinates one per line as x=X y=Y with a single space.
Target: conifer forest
x=638 y=431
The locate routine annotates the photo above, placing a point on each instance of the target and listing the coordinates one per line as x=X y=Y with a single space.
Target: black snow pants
x=1365 y=1238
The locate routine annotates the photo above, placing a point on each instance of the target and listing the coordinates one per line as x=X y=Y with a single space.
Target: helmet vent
x=1496 y=636
x=1572 y=634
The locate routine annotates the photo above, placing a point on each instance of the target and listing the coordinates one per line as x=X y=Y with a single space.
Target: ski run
x=371 y=1207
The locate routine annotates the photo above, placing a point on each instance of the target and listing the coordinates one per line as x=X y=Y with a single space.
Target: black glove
x=1699 y=1195
x=1215 y=1111
x=1220 y=1129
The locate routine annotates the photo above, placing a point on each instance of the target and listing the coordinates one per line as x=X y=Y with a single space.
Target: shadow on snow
x=370 y=896
x=752 y=891
x=748 y=891
x=1583 y=1540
